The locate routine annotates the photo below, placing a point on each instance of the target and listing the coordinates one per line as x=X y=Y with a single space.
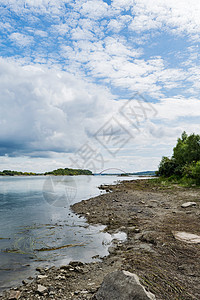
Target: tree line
x=68 y=171
x=185 y=161
x=58 y=172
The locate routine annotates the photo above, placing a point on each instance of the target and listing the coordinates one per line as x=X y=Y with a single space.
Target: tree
x=167 y=167
x=185 y=161
x=187 y=149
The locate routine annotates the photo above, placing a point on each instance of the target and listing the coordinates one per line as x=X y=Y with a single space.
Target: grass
x=173 y=180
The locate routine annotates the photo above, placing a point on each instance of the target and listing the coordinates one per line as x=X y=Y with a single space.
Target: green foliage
x=167 y=167
x=187 y=149
x=185 y=161
x=16 y=173
x=57 y=172
x=70 y=172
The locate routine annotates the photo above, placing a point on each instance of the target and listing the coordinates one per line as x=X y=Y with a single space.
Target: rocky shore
x=162 y=247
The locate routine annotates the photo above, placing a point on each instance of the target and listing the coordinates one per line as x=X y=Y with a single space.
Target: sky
x=97 y=84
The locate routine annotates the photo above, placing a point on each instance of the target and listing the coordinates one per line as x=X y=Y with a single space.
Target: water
x=37 y=227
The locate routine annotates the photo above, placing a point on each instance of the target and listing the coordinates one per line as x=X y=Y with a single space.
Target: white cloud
x=60 y=29
x=122 y=4
x=41 y=33
x=93 y=9
x=81 y=34
x=21 y=40
x=178 y=16
x=47 y=110
x=178 y=107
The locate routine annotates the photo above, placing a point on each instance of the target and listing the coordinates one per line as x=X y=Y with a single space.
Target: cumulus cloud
x=67 y=58
x=47 y=110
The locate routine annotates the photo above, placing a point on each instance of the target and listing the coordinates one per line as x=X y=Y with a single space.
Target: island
x=58 y=172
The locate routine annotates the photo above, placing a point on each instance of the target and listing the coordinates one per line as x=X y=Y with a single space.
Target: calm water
x=35 y=215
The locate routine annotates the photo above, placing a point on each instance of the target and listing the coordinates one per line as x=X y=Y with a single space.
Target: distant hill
x=142 y=173
x=146 y=173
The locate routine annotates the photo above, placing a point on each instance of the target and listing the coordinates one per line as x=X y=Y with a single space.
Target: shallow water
x=37 y=226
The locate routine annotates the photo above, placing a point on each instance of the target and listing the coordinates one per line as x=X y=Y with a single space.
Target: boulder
x=122 y=285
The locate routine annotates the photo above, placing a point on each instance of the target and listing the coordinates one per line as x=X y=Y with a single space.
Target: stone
x=149 y=237
x=60 y=277
x=41 y=277
x=30 y=278
x=122 y=285
x=76 y=292
x=76 y=263
x=41 y=289
x=186 y=237
x=40 y=270
x=66 y=268
x=14 y=295
x=131 y=228
x=188 y=204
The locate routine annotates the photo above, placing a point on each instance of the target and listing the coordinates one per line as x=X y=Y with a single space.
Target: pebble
x=14 y=295
x=41 y=289
x=186 y=237
x=42 y=276
x=188 y=204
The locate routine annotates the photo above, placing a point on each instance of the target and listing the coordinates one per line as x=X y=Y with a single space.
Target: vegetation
x=145 y=173
x=16 y=173
x=57 y=172
x=68 y=171
x=184 y=165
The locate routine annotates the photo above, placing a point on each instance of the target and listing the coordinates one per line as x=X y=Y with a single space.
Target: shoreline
x=148 y=213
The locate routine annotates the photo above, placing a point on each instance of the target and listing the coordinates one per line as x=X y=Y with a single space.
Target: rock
x=122 y=285
x=131 y=228
x=40 y=270
x=186 y=237
x=76 y=263
x=60 y=277
x=42 y=276
x=149 y=237
x=41 y=289
x=76 y=292
x=14 y=295
x=188 y=204
x=30 y=278
x=66 y=268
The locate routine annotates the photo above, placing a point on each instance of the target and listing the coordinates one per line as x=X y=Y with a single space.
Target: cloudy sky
x=96 y=83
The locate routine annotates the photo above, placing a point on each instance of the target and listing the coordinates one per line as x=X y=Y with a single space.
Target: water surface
x=37 y=226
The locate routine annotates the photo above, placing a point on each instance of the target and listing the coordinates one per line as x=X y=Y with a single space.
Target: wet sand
x=149 y=213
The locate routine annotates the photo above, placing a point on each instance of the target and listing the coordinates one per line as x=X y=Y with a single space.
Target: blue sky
x=67 y=68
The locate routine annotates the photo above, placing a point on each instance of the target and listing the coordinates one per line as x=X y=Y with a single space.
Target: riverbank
x=150 y=214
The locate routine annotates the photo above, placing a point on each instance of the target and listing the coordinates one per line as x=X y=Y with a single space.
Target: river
x=38 y=228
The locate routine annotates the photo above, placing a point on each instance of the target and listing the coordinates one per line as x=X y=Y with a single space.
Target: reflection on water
x=37 y=226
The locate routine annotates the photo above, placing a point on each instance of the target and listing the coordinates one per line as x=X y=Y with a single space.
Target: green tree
x=187 y=149
x=185 y=161
x=167 y=167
